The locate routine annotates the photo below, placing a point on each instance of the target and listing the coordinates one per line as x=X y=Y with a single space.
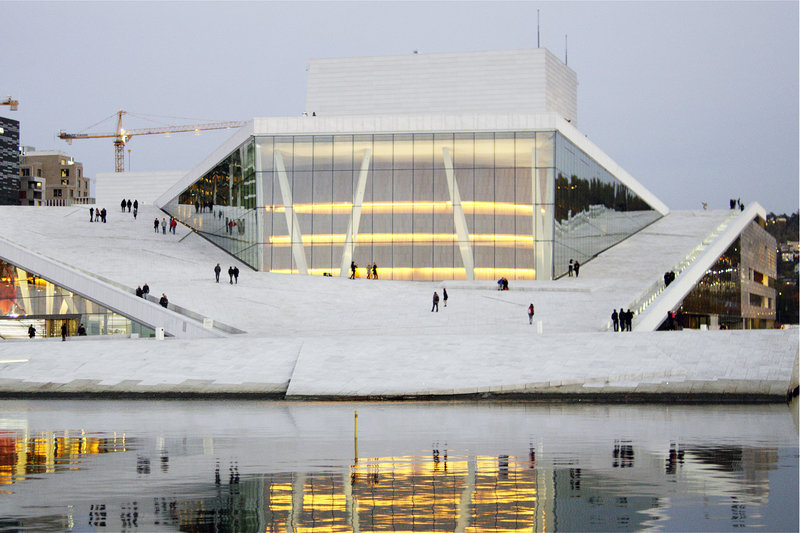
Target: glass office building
x=421 y=206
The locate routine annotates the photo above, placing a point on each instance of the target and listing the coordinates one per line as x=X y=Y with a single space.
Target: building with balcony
x=62 y=178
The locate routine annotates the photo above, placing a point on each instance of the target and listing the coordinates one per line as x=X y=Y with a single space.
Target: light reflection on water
x=284 y=466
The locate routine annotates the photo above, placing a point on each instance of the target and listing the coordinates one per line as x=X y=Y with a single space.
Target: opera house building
x=421 y=164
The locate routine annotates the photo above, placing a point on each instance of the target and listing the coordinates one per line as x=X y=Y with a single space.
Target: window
x=64 y=182
x=56 y=192
x=79 y=173
x=38 y=172
x=25 y=172
x=71 y=193
x=64 y=172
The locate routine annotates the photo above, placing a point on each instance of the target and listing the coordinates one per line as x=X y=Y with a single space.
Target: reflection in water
x=292 y=479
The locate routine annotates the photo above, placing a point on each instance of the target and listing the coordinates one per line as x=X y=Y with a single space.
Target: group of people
x=436 y=300
x=737 y=202
x=96 y=215
x=64 y=331
x=502 y=284
x=372 y=270
x=669 y=277
x=622 y=320
x=574 y=266
x=233 y=273
x=172 y=224
x=128 y=204
x=200 y=208
x=143 y=291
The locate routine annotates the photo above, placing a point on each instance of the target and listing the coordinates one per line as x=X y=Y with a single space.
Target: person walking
x=163 y=226
x=136 y=205
x=164 y=301
x=352 y=270
x=31 y=331
x=155 y=224
x=629 y=320
x=571 y=267
x=81 y=331
x=173 y=224
x=145 y=290
x=217 y=270
x=369 y=270
x=230 y=274
x=135 y=212
x=615 y=319
x=139 y=292
x=531 y=312
x=91 y=214
x=374 y=270
x=122 y=205
x=444 y=295
x=129 y=204
x=236 y=275
x=63 y=332
x=103 y=215
x=577 y=268
x=435 y=302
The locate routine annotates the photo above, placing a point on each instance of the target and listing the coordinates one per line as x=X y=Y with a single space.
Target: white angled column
x=459 y=220
x=298 y=251
x=355 y=215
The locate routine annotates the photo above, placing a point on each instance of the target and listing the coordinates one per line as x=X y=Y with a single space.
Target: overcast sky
x=698 y=101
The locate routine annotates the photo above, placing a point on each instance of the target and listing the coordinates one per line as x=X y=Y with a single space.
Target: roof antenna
x=566 y=56
x=538 y=45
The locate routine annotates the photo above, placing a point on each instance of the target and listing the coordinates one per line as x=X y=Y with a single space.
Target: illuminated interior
x=422 y=206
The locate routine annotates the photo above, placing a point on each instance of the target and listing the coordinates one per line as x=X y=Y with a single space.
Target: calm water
x=282 y=466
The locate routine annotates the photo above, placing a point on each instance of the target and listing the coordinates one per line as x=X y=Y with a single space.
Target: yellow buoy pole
x=355 y=436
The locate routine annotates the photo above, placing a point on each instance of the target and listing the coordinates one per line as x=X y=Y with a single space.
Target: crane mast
x=122 y=136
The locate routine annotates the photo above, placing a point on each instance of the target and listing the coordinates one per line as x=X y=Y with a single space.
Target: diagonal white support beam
x=355 y=215
x=23 y=290
x=459 y=220
x=298 y=251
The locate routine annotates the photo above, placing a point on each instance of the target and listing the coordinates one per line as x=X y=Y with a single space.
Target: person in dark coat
x=352 y=270
x=435 y=302
x=122 y=204
x=230 y=274
x=621 y=319
x=375 y=275
x=217 y=270
x=63 y=332
x=577 y=268
x=145 y=290
x=236 y=274
x=31 y=331
x=163 y=301
x=139 y=292
x=615 y=320
x=531 y=312
x=570 y=268
x=81 y=331
x=129 y=204
x=155 y=224
x=91 y=214
x=444 y=296
x=136 y=204
x=103 y=215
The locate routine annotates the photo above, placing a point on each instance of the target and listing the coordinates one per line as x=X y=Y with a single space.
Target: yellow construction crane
x=13 y=104
x=122 y=136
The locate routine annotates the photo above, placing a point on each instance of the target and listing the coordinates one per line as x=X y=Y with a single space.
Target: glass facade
x=719 y=292
x=593 y=209
x=26 y=299
x=421 y=206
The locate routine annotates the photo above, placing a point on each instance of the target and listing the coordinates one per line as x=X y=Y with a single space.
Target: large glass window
x=27 y=300
x=421 y=206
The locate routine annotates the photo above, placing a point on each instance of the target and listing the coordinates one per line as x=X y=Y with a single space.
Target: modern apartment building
x=63 y=180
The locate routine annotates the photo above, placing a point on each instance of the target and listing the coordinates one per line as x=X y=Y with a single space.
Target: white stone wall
x=503 y=81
